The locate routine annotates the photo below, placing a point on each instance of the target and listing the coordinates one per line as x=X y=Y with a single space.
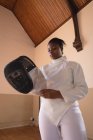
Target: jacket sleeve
x=38 y=80
x=79 y=88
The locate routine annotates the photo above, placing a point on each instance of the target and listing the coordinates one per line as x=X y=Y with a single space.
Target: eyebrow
x=52 y=48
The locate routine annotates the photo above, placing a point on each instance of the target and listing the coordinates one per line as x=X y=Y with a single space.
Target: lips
x=53 y=55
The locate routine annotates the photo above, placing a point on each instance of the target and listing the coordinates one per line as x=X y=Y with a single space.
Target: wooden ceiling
x=40 y=18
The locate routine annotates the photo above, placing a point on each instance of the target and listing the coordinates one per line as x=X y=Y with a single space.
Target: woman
x=60 y=117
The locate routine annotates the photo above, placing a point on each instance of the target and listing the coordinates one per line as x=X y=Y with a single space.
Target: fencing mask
x=23 y=75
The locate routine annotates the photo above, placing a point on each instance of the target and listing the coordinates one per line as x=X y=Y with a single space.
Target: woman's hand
x=50 y=94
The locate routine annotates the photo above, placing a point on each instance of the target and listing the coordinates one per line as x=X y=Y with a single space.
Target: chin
x=56 y=57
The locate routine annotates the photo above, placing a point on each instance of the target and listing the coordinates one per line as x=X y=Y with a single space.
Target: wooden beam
x=74 y=9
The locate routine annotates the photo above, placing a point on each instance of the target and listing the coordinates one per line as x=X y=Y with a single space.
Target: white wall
x=84 y=57
x=15 y=109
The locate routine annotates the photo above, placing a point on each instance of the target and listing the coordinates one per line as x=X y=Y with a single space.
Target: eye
x=52 y=49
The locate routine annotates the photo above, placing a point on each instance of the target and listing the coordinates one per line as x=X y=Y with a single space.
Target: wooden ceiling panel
x=81 y=3
x=8 y=3
x=40 y=18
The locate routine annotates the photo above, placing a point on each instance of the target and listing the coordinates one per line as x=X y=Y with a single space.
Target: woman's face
x=54 y=51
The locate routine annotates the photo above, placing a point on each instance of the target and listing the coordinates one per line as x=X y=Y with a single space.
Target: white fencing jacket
x=68 y=78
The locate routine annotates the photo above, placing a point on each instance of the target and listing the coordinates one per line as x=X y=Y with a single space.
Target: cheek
x=59 y=52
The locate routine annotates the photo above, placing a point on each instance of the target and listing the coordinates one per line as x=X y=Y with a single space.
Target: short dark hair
x=57 y=41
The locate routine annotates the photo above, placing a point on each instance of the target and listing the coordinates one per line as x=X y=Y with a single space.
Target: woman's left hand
x=50 y=94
